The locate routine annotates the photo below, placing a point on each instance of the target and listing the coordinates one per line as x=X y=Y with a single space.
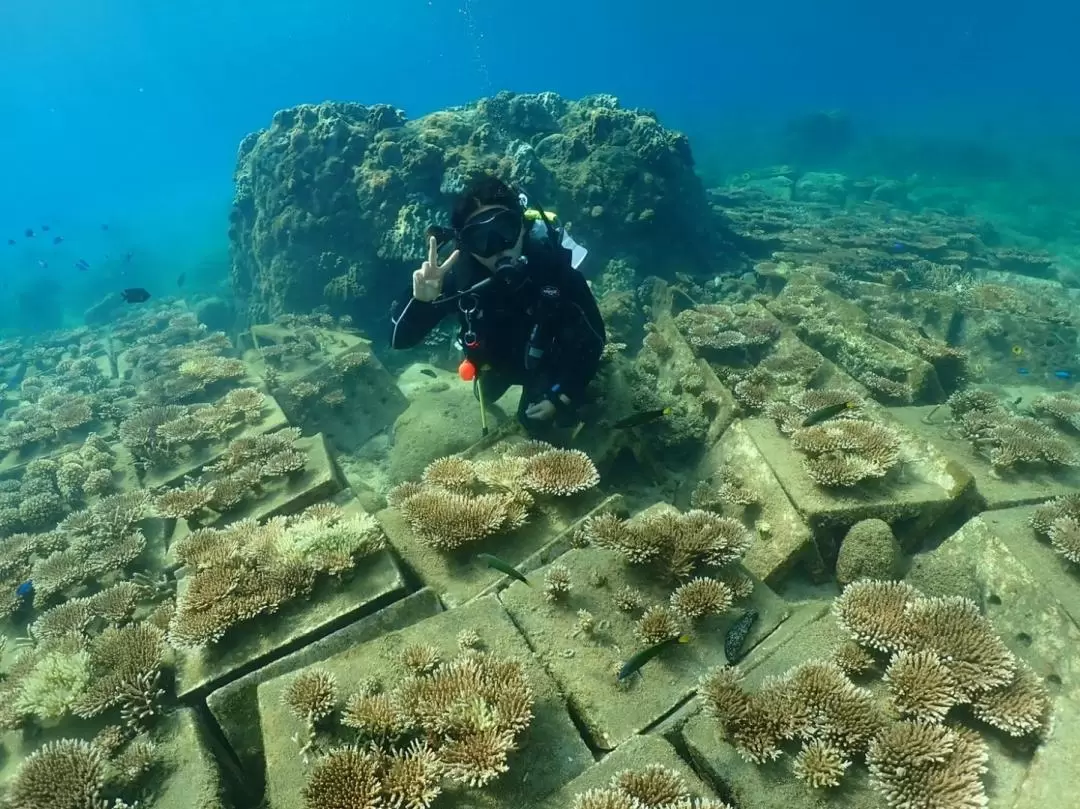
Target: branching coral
x=126 y=664
x=464 y=717
x=1010 y=441
x=66 y=774
x=921 y=764
x=847 y=452
x=921 y=685
x=679 y=543
x=652 y=787
x=248 y=569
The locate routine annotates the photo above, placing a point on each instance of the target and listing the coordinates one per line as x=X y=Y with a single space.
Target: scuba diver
x=526 y=314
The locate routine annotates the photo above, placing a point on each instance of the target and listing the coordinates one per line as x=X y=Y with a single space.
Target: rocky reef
x=332 y=200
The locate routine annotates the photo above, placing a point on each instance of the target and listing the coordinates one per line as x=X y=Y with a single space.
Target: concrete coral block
x=375 y=582
x=995 y=489
x=812 y=634
x=235 y=706
x=193 y=779
x=585 y=664
x=927 y=489
x=1032 y=599
x=318 y=481
x=783 y=540
x=273 y=419
x=551 y=753
x=637 y=754
x=456 y=576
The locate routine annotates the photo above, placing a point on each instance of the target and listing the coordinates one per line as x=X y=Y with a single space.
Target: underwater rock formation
x=332 y=200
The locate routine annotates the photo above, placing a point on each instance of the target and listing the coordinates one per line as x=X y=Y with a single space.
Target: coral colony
x=249 y=529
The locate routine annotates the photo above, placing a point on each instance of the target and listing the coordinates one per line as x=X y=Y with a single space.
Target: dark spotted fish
x=736 y=636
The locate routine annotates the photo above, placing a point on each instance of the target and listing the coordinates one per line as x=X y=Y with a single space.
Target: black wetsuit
x=506 y=311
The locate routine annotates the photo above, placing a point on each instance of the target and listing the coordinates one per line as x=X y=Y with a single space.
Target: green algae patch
x=550 y=752
x=585 y=661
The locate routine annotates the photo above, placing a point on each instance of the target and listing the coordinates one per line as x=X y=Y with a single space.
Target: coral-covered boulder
x=332 y=200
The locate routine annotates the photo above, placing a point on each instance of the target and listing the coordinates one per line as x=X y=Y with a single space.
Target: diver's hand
x=428 y=280
x=544 y=409
x=540 y=411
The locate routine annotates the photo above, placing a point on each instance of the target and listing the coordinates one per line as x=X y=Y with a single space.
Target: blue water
x=128 y=112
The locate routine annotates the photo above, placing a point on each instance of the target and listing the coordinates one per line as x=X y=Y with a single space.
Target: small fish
x=11 y=242
x=736 y=636
x=104 y=227
x=181 y=279
x=428 y=372
x=43 y=264
x=826 y=413
x=899 y=247
x=923 y=333
x=128 y=256
x=1017 y=351
x=644 y=417
x=135 y=295
x=25 y=590
x=1023 y=371
x=1017 y=400
x=645 y=655
x=82 y=265
x=503 y=567
x=29 y=233
x=1063 y=374
x=57 y=239
x=45 y=228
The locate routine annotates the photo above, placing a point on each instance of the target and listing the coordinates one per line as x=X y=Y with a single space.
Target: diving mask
x=491 y=232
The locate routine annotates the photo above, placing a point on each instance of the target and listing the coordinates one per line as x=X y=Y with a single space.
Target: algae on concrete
x=235 y=706
x=636 y=754
x=585 y=663
x=550 y=754
x=783 y=540
x=273 y=419
x=457 y=576
x=997 y=490
x=192 y=779
x=909 y=501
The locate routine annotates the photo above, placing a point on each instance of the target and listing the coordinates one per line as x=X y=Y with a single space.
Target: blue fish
x=1063 y=374
x=899 y=247
x=1023 y=371
x=25 y=591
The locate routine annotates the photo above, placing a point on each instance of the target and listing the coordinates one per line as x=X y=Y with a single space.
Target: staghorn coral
x=375 y=716
x=1019 y=708
x=820 y=765
x=447 y=520
x=628 y=599
x=450 y=472
x=65 y=774
x=312 y=695
x=249 y=569
x=700 y=597
x=917 y=764
x=1065 y=506
x=853 y=659
x=183 y=503
x=658 y=623
x=1064 y=407
x=873 y=613
x=126 y=664
x=559 y=472
x=847 y=452
x=345 y=778
x=652 y=786
x=676 y=542
x=420 y=658
x=921 y=686
x=557 y=582
x=966 y=643
x=1064 y=536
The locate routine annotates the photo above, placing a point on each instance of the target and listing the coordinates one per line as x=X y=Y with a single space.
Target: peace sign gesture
x=428 y=280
